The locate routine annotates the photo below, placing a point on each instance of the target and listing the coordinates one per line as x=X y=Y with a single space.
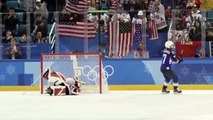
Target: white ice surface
x=117 y=105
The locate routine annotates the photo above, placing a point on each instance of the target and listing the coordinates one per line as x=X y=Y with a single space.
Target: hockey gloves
x=179 y=59
x=49 y=91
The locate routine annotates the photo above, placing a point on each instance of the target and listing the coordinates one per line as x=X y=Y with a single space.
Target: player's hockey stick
x=184 y=41
x=181 y=52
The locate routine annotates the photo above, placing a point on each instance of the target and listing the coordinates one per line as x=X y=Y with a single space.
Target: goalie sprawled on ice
x=61 y=84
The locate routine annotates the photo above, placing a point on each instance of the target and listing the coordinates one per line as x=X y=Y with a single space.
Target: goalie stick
x=38 y=78
x=28 y=87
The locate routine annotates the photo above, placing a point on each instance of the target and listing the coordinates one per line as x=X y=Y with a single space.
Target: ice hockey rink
x=116 y=105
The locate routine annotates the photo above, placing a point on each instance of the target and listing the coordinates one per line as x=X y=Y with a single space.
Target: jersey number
x=164 y=58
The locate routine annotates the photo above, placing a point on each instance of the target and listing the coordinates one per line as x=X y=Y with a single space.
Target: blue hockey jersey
x=167 y=59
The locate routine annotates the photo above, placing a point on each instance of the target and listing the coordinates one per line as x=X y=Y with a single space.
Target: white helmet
x=169 y=44
x=140 y=12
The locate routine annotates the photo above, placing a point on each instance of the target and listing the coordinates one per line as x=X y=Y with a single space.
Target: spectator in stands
x=23 y=38
x=168 y=13
x=8 y=37
x=92 y=5
x=179 y=19
x=139 y=18
x=67 y=17
x=41 y=24
x=180 y=3
x=105 y=4
x=13 y=51
x=195 y=31
x=141 y=51
x=39 y=38
x=131 y=7
x=144 y=4
x=104 y=18
x=51 y=4
x=121 y=16
x=209 y=32
x=10 y=20
x=168 y=3
x=195 y=15
x=3 y=7
x=92 y=17
x=28 y=5
x=209 y=35
x=191 y=3
x=126 y=5
x=201 y=53
x=41 y=9
x=160 y=16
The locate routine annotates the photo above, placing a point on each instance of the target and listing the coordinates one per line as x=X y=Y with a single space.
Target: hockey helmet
x=169 y=44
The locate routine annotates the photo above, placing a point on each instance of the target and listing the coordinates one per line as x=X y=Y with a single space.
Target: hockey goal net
x=87 y=66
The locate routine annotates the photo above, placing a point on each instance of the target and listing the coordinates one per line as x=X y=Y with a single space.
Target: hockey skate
x=164 y=90
x=177 y=90
x=49 y=91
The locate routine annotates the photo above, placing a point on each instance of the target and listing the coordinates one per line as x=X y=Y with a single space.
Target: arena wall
x=123 y=74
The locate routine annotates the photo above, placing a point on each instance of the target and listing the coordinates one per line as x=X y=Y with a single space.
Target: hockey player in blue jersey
x=167 y=59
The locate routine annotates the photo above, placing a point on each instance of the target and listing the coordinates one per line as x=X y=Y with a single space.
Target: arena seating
x=36 y=50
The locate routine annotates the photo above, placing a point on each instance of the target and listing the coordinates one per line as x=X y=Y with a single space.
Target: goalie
x=62 y=85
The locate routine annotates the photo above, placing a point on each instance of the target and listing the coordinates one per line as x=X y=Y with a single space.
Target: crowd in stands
x=187 y=16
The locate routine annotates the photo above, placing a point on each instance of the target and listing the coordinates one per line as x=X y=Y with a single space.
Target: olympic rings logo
x=92 y=73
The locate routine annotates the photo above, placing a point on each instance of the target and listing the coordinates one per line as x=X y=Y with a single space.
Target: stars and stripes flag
x=120 y=38
x=77 y=6
x=114 y=5
x=153 y=30
x=152 y=23
x=138 y=32
x=80 y=30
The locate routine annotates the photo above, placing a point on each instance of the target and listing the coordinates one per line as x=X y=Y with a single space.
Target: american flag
x=77 y=6
x=114 y=5
x=79 y=30
x=138 y=33
x=152 y=23
x=153 y=30
x=120 y=38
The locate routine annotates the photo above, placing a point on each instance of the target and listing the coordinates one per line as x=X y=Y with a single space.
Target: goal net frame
x=100 y=77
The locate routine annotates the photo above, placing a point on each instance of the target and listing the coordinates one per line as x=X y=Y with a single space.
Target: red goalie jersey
x=71 y=85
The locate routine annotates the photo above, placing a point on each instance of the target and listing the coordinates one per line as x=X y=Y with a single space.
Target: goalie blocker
x=56 y=90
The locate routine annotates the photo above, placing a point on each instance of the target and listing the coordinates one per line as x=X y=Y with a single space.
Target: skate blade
x=165 y=93
x=177 y=93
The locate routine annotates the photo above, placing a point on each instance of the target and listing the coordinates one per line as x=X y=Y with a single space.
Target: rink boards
x=128 y=74
x=116 y=87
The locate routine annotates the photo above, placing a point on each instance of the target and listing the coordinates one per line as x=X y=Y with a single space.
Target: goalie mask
x=169 y=44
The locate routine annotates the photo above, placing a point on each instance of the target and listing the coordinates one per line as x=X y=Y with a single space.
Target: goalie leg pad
x=59 y=90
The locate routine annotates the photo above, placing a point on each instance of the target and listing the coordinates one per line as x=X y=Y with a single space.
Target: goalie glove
x=179 y=59
x=49 y=91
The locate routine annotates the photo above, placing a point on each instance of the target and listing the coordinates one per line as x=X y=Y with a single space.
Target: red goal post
x=87 y=66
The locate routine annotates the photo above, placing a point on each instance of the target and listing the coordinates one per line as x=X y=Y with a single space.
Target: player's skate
x=177 y=90
x=49 y=91
x=164 y=90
